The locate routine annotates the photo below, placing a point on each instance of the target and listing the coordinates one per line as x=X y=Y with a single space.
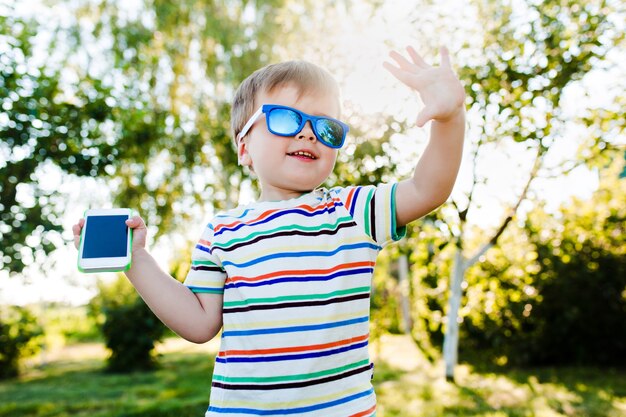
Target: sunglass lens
x=284 y=122
x=330 y=132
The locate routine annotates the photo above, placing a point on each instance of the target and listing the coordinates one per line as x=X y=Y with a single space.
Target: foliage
x=385 y=299
x=111 y=294
x=540 y=298
x=498 y=300
x=18 y=334
x=430 y=260
x=129 y=328
x=65 y=324
x=368 y=157
x=533 y=51
x=125 y=88
x=581 y=280
x=39 y=124
x=130 y=332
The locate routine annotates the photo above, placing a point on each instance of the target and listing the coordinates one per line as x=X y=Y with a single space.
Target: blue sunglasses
x=287 y=121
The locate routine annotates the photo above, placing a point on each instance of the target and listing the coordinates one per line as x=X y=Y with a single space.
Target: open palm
x=439 y=88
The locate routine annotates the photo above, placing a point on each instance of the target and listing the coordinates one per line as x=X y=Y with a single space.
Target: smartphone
x=105 y=241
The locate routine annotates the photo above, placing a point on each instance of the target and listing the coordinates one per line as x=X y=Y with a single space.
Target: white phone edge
x=113 y=264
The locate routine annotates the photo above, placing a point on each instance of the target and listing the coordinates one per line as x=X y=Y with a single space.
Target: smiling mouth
x=303 y=154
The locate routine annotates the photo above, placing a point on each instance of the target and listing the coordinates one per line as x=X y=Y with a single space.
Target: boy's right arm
x=195 y=317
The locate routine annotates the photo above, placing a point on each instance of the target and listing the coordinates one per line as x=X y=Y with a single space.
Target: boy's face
x=282 y=170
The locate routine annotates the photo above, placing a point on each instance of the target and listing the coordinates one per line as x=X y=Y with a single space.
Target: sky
x=365 y=44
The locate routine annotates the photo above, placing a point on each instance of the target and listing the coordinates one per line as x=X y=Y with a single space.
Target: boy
x=288 y=277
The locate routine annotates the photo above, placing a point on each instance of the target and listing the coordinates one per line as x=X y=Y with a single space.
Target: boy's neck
x=280 y=195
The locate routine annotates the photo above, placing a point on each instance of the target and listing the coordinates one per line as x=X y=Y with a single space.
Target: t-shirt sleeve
x=373 y=208
x=206 y=274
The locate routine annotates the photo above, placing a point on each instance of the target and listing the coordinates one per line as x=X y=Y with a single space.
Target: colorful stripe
x=302 y=279
x=305 y=211
x=290 y=385
x=297 y=304
x=288 y=298
x=291 y=349
x=297 y=253
x=297 y=377
x=370 y=412
x=343 y=399
x=291 y=230
x=292 y=329
x=280 y=358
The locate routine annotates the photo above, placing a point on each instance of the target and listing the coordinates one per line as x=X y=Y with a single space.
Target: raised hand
x=439 y=88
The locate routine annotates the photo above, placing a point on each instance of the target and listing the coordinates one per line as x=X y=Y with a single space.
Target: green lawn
x=405 y=387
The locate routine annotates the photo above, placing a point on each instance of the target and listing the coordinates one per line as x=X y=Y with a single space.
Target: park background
x=107 y=103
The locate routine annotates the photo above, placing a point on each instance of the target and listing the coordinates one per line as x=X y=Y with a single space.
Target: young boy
x=288 y=278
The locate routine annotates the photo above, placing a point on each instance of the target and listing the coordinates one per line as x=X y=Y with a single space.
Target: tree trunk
x=451 y=340
x=405 y=304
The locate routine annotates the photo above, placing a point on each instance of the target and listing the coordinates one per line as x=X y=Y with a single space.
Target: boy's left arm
x=443 y=97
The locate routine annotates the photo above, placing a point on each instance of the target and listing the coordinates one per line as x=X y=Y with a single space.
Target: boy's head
x=306 y=77
x=288 y=164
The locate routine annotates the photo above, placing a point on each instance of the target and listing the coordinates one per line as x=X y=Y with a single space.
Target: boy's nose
x=306 y=132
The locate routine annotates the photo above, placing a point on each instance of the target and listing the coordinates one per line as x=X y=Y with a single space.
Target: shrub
x=581 y=317
x=129 y=328
x=559 y=298
x=130 y=332
x=18 y=332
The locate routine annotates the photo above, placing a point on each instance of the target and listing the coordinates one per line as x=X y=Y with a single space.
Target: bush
x=562 y=300
x=18 y=332
x=130 y=332
x=581 y=316
x=129 y=328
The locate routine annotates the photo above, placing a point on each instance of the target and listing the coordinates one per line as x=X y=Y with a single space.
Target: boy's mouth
x=302 y=154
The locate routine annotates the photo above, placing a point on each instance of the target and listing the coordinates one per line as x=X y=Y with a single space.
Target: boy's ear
x=243 y=157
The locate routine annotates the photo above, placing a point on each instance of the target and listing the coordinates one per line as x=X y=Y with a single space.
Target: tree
x=533 y=51
x=135 y=97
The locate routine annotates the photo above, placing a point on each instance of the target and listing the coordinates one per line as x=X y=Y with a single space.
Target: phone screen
x=105 y=237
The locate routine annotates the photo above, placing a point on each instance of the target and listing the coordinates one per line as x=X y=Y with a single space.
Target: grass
x=406 y=386
x=520 y=393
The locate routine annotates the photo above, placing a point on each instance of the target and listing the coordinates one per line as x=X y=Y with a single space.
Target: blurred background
x=510 y=300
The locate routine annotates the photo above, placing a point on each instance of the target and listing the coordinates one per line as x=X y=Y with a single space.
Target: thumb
x=136 y=222
x=424 y=116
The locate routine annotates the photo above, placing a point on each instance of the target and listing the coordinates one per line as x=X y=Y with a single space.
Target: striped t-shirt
x=296 y=278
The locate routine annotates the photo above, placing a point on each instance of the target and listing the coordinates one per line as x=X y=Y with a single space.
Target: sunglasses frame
x=267 y=109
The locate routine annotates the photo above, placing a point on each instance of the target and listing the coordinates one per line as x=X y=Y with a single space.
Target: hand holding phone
x=104 y=240
x=136 y=223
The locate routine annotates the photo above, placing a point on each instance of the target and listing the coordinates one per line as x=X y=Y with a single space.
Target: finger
x=401 y=61
x=400 y=74
x=445 y=57
x=136 y=222
x=76 y=230
x=78 y=227
x=424 y=116
x=416 y=58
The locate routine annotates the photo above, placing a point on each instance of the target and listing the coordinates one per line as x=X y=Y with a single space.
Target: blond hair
x=307 y=77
